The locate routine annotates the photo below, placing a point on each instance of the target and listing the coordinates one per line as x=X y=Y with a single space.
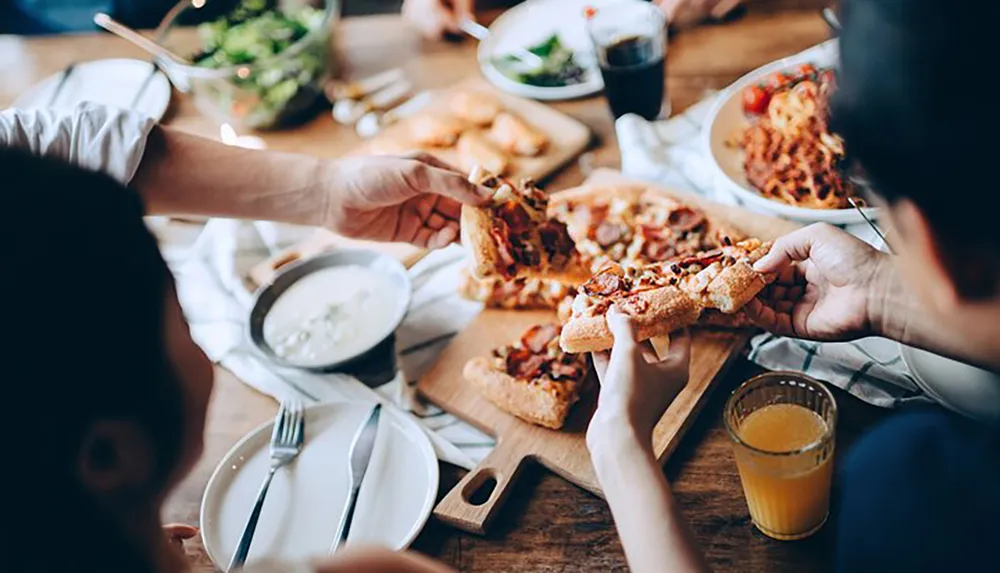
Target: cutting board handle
x=473 y=503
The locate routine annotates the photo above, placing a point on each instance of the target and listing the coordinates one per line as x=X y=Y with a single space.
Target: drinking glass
x=782 y=425
x=630 y=41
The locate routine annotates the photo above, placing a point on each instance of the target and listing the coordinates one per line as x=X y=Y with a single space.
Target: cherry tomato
x=827 y=77
x=805 y=70
x=755 y=100
x=778 y=80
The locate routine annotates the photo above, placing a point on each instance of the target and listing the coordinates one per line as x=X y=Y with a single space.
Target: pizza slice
x=532 y=378
x=634 y=225
x=723 y=278
x=513 y=237
x=519 y=294
x=651 y=295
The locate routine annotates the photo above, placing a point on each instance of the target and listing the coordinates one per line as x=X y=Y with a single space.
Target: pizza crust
x=669 y=309
x=525 y=400
x=734 y=288
x=476 y=223
x=736 y=285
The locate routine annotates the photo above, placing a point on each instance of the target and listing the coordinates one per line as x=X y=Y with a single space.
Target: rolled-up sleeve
x=91 y=136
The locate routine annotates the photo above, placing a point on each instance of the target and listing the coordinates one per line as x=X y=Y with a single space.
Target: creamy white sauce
x=330 y=315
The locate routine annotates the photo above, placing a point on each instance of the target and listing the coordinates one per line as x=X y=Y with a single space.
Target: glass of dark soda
x=630 y=41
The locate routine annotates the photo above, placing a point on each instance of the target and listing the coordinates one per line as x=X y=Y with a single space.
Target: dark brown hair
x=83 y=291
x=914 y=105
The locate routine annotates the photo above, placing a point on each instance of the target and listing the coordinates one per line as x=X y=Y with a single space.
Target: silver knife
x=361 y=454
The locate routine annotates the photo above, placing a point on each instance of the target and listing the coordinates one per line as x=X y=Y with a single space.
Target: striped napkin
x=669 y=153
x=209 y=264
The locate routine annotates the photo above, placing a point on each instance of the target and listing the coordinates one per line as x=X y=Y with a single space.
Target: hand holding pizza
x=831 y=286
x=636 y=387
x=416 y=199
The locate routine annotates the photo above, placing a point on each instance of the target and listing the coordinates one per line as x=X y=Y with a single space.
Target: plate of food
x=474 y=124
x=771 y=146
x=554 y=30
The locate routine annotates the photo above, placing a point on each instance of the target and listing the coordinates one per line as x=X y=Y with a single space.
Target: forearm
x=897 y=313
x=182 y=174
x=651 y=527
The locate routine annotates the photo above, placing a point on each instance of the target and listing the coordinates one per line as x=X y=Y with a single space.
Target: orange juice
x=786 y=469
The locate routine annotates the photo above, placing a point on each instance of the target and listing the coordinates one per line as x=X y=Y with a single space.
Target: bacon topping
x=684 y=219
x=604 y=284
x=531 y=367
x=705 y=258
x=608 y=233
x=561 y=370
x=658 y=250
x=538 y=337
x=505 y=259
x=591 y=216
x=515 y=215
x=555 y=238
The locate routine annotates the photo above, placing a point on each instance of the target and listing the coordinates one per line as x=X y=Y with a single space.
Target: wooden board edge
x=742 y=339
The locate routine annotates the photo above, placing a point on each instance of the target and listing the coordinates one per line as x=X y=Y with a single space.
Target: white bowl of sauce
x=329 y=310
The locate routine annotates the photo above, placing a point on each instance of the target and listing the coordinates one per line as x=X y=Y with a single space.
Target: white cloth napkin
x=669 y=153
x=209 y=265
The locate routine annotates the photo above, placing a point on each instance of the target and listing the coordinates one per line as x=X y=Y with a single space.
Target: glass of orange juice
x=782 y=425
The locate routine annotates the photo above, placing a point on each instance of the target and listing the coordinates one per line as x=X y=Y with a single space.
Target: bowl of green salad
x=255 y=64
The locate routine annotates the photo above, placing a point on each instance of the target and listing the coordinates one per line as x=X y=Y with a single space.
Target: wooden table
x=549 y=525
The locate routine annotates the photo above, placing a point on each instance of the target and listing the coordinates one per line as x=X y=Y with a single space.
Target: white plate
x=532 y=22
x=965 y=389
x=112 y=82
x=306 y=500
x=726 y=118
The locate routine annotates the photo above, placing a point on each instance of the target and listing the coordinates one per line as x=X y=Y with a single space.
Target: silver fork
x=286 y=443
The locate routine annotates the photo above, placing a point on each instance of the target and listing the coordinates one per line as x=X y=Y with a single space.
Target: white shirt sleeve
x=91 y=136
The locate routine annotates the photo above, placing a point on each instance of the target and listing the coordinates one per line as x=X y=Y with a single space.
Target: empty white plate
x=307 y=499
x=114 y=82
x=965 y=389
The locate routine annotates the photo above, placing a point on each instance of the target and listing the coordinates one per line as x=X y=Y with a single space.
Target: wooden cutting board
x=567 y=136
x=471 y=505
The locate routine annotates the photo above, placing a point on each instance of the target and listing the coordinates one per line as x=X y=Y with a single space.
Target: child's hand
x=636 y=387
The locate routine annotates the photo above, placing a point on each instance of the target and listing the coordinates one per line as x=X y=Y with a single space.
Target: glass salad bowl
x=255 y=64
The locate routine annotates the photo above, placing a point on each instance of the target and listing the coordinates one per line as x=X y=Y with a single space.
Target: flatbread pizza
x=531 y=378
x=513 y=237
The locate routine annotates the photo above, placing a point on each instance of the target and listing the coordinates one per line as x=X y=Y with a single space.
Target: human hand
x=687 y=12
x=435 y=18
x=636 y=387
x=831 y=286
x=416 y=199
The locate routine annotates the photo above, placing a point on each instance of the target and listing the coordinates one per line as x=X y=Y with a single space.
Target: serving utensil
x=361 y=455
x=362 y=88
x=130 y=35
x=286 y=443
x=480 y=32
x=349 y=111
x=369 y=124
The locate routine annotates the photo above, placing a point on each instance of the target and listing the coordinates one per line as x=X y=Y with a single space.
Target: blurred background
x=39 y=17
